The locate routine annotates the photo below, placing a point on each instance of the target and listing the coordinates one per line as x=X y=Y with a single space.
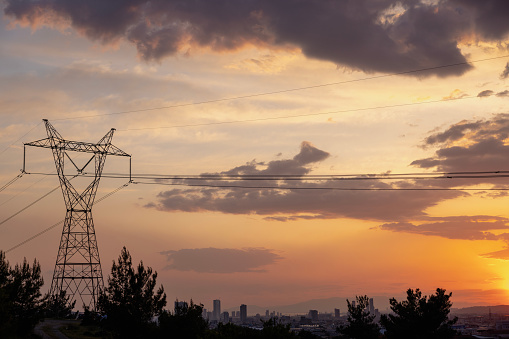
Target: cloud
x=505 y=72
x=464 y=228
x=301 y=198
x=366 y=35
x=501 y=254
x=503 y=94
x=456 y=94
x=470 y=146
x=485 y=93
x=220 y=260
x=461 y=228
x=488 y=16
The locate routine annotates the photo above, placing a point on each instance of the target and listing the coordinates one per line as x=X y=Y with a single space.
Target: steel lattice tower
x=78 y=266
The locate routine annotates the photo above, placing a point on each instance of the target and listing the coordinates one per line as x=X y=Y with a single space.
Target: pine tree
x=420 y=317
x=361 y=323
x=21 y=301
x=130 y=302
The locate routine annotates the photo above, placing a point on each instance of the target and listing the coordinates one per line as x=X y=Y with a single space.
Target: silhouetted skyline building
x=243 y=313
x=313 y=314
x=216 y=311
x=371 y=306
x=337 y=313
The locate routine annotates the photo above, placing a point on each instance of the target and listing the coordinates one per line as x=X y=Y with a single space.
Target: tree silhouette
x=59 y=306
x=186 y=322
x=361 y=323
x=420 y=317
x=21 y=301
x=130 y=302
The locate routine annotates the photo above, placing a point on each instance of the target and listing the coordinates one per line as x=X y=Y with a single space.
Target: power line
x=28 y=187
x=29 y=205
x=35 y=236
x=24 y=135
x=299 y=115
x=308 y=177
x=324 y=188
x=62 y=221
x=285 y=90
x=12 y=181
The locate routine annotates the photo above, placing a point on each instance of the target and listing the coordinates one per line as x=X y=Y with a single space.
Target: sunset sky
x=261 y=87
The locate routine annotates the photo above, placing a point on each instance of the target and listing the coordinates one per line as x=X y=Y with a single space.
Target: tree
x=59 y=306
x=420 y=316
x=4 y=295
x=361 y=323
x=129 y=302
x=21 y=301
x=186 y=322
x=273 y=328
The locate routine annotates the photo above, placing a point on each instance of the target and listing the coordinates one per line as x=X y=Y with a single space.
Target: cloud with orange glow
x=367 y=35
x=221 y=260
x=302 y=198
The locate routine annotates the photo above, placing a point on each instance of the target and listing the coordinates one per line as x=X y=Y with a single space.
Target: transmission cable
x=322 y=188
x=285 y=90
x=62 y=221
x=32 y=203
x=298 y=115
x=12 y=181
x=305 y=177
x=5 y=149
x=23 y=191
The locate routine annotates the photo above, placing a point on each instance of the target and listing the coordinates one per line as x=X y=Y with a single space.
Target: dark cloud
x=485 y=93
x=503 y=94
x=470 y=146
x=501 y=254
x=303 y=198
x=505 y=72
x=465 y=228
x=489 y=17
x=368 y=35
x=462 y=228
x=221 y=260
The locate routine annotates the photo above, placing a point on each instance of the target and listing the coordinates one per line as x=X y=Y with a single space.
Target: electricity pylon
x=78 y=266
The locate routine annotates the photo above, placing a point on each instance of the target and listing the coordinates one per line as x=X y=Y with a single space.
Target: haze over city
x=370 y=89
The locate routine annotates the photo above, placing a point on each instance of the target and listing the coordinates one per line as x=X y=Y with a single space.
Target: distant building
x=371 y=306
x=243 y=313
x=313 y=314
x=267 y=314
x=337 y=314
x=216 y=312
x=225 y=318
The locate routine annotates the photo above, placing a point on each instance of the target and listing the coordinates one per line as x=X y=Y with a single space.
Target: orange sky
x=259 y=246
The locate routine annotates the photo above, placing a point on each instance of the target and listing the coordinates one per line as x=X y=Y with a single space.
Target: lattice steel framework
x=78 y=267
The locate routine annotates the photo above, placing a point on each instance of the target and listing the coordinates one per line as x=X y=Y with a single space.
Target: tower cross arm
x=78 y=146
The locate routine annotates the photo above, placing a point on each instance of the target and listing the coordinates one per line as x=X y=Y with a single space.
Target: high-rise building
x=243 y=313
x=371 y=306
x=336 y=313
x=216 y=312
x=225 y=318
x=313 y=314
x=267 y=314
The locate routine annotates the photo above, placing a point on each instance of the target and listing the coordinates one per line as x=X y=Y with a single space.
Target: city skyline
x=386 y=96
